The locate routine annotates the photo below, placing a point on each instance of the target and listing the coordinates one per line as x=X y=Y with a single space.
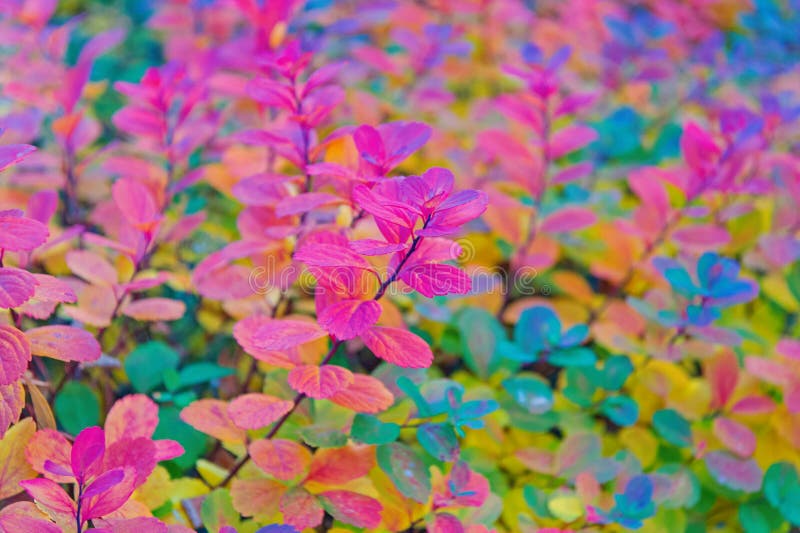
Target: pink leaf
x=699 y=149
x=18 y=233
x=770 y=371
x=375 y=247
x=572 y=173
x=14 y=153
x=734 y=473
x=12 y=400
x=787 y=347
x=447 y=523
x=166 y=449
x=436 y=279
x=155 y=309
x=569 y=139
x=331 y=256
x=131 y=417
x=454 y=212
x=398 y=346
x=650 y=190
x=139 y=455
x=15 y=352
x=88 y=450
x=380 y=207
x=302 y=203
x=352 y=508
x=280 y=458
x=702 y=235
x=16 y=287
x=136 y=203
x=64 y=343
x=723 y=374
x=18 y=517
x=254 y=411
x=737 y=437
x=49 y=495
x=319 y=382
x=284 y=334
x=103 y=482
x=349 y=318
x=754 y=405
x=568 y=219
x=91 y=267
x=300 y=509
x=49 y=292
x=112 y=499
x=50 y=446
x=211 y=417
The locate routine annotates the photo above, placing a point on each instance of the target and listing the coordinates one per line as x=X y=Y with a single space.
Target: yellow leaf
x=776 y=287
x=212 y=473
x=156 y=490
x=566 y=508
x=641 y=443
x=13 y=466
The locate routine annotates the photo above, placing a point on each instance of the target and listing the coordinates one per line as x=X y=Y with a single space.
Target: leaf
x=702 y=235
x=782 y=490
x=364 y=395
x=570 y=139
x=406 y=470
x=16 y=287
x=567 y=219
x=672 y=427
x=370 y=430
x=86 y=457
x=255 y=411
x=217 y=511
x=92 y=267
x=136 y=203
x=131 y=417
x=258 y=496
x=21 y=234
x=321 y=436
x=537 y=329
x=479 y=334
x=197 y=373
x=398 y=346
x=25 y=516
x=572 y=357
x=15 y=467
x=76 y=407
x=567 y=508
x=49 y=453
x=530 y=392
x=155 y=309
x=48 y=293
x=337 y=466
x=736 y=474
x=42 y=412
x=284 y=334
x=280 y=458
x=49 y=495
x=352 y=508
x=348 y=319
x=737 y=437
x=146 y=365
x=331 y=256
x=14 y=153
x=193 y=442
x=439 y=440
x=211 y=417
x=12 y=399
x=436 y=279
x=621 y=410
x=300 y=509
x=65 y=343
x=319 y=381
x=15 y=352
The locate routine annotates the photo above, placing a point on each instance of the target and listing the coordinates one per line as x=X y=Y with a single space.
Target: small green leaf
x=406 y=470
x=197 y=373
x=439 y=440
x=412 y=391
x=170 y=426
x=531 y=392
x=369 y=430
x=616 y=371
x=672 y=427
x=323 y=437
x=76 y=407
x=217 y=511
x=782 y=490
x=621 y=410
x=146 y=365
x=572 y=357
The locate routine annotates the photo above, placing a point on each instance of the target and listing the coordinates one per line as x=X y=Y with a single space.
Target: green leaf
x=76 y=407
x=406 y=470
x=672 y=427
x=170 y=426
x=782 y=490
x=581 y=385
x=753 y=518
x=197 y=373
x=621 y=410
x=537 y=501
x=439 y=440
x=572 y=357
x=146 y=365
x=480 y=332
x=323 y=437
x=412 y=391
x=369 y=430
x=531 y=392
x=616 y=371
x=217 y=511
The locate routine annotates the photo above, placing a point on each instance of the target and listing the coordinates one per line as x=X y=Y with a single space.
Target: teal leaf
x=369 y=430
x=439 y=440
x=147 y=363
x=406 y=470
x=621 y=410
x=672 y=427
x=572 y=357
x=76 y=407
x=531 y=392
x=616 y=371
x=782 y=490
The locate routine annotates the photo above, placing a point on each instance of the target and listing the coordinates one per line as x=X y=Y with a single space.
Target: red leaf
x=398 y=346
x=569 y=139
x=352 y=508
x=254 y=411
x=436 y=279
x=48 y=445
x=365 y=395
x=349 y=318
x=64 y=343
x=155 y=309
x=49 y=495
x=568 y=219
x=737 y=437
x=280 y=458
x=91 y=267
x=15 y=352
x=283 y=334
x=18 y=233
x=319 y=382
x=211 y=417
x=337 y=466
x=300 y=509
x=256 y=496
x=16 y=287
x=723 y=374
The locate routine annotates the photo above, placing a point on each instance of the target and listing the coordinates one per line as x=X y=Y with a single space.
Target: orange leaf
x=337 y=466
x=254 y=411
x=280 y=458
x=320 y=382
x=50 y=445
x=300 y=509
x=64 y=343
x=256 y=496
x=211 y=417
x=153 y=309
x=365 y=395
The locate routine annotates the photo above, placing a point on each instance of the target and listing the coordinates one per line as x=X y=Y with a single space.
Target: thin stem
x=391 y=279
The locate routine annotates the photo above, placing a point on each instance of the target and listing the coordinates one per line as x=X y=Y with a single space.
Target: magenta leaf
x=398 y=346
x=16 y=287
